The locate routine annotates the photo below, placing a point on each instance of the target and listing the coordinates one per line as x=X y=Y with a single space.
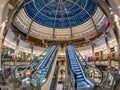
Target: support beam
x=62 y=13
x=93 y=53
x=53 y=33
x=71 y=32
x=115 y=24
x=86 y=13
x=13 y=13
x=29 y=29
x=16 y=49
x=108 y=50
x=117 y=34
x=1 y=47
x=31 y=54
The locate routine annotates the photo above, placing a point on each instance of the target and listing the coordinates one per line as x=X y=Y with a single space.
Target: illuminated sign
x=100 y=29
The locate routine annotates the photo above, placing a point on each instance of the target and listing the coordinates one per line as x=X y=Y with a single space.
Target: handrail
x=55 y=76
x=82 y=68
x=27 y=66
x=36 y=74
x=81 y=56
x=36 y=59
x=93 y=68
x=53 y=57
x=37 y=68
x=70 y=72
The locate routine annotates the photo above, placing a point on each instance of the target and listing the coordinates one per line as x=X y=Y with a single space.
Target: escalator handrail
x=32 y=75
x=54 y=52
x=40 y=63
x=82 y=69
x=80 y=56
x=77 y=61
x=27 y=66
x=69 y=69
x=36 y=59
x=101 y=74
x=53 y=57
x=93 y=68
x=50 y=54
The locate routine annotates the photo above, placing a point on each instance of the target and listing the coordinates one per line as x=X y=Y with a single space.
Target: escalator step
x=73 y=62
x=82 y=84
x=80 y=79
x=76 y=70
x=78 y=73
x=79 y=76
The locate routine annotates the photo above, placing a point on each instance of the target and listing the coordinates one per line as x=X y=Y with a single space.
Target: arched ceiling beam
x=66 y=13
x=114 y=25
x=56 y=13
x=14 y=12
x=71 y=31
x=87 y=14
x=53 y=33
x=32 y=20
x=62 y=13
x=106 y=9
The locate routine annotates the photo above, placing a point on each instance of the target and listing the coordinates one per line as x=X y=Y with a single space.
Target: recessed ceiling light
x=118 y=6
x=6 y=20
x=2 y=6
x=110 y=8
x=111 y=13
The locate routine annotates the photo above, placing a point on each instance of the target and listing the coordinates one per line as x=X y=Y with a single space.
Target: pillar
x=1 y=39
x=115 y=24
x=117 y=34
x=108 y=50
x=93 y=53
x=31 y=54
x=16 y=49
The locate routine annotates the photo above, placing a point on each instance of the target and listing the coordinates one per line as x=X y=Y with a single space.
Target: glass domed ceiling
x=60 y=13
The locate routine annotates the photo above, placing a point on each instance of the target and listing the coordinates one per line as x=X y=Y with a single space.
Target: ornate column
x=16 y=49
x=1 y=31
x=31 y=55
x=108 y=50
x=114 y=20
x=93 y=53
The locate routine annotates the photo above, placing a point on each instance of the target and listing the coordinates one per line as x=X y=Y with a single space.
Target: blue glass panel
x=50 y=13
x=30 y=10
x=53 y=5
x=39 y=4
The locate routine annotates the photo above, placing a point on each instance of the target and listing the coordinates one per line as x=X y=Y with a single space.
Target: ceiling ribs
x=87 y=13
x=62 y=13
x=32 y=20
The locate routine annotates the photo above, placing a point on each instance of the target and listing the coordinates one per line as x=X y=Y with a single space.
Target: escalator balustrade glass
x=94 y=73
x=21 y=71
x=82 y=82
x=44 y=71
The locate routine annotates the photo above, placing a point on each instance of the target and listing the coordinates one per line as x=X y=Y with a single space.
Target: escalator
x=94 y=73
x=42 y=76
x=23 y=70
x=39 y=78
x=54 y=79
x=81 y=80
